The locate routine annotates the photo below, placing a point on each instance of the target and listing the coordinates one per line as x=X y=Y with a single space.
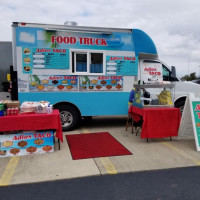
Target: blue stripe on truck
x=89 y=103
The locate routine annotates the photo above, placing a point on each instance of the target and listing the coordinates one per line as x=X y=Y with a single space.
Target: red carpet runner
x=93 y=145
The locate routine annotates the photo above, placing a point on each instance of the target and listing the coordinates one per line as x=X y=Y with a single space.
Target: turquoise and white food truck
x=85 y=71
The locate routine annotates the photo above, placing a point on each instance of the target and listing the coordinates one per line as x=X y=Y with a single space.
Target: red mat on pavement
x=93 y=145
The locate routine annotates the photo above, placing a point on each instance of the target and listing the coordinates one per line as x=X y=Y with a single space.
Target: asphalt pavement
x=170 y=184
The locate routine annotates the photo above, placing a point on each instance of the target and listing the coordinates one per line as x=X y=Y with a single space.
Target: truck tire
x=180 y=105
x=70 y=117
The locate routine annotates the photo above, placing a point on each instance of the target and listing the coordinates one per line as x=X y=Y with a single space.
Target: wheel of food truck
x=180 y=105
x=69 y=117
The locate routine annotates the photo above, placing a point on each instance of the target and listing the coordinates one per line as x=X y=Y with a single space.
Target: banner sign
x=195 y=105
x=151 y=73
x=26 y=143
x=99 y=83
x=31 y=37
x=52 y=83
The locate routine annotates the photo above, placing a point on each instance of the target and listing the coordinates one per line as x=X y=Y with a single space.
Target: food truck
x=86 y=71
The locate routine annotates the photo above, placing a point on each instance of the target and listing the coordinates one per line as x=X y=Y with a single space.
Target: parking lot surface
x=155 y=154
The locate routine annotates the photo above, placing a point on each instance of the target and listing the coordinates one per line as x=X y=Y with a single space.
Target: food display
x=36 y=107
x=69 y=87
x=14 y=151
x=31 y=149
x=60 y=87
x=108 y=87
x=84 y=87
x=22 y=143
x=39 y=141
x=101 y=83
x=27 y=60
x=165 y=98
x=7 y=143
x=55 y=82
x=47 y=148
x=90 y=87
x=27 y=51
x=40 y=87
x=27 y=68
x=98 y=87
x=33 y=83
x=73 y=82
x=94 y=81
x=145 y=95
x=26 y=143
x=113 y=81
x=28 y=107
x=50 y=87
x=118 y=86
x=2 y=153
x=45 y=83
x=64 y=81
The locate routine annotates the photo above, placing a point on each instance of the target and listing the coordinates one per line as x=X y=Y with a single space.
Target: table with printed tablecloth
x=33 y=122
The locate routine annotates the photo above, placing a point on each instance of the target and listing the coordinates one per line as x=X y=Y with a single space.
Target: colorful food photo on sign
x=101 y=83
x=54 y=83
x=26 y=143
x=27 y=61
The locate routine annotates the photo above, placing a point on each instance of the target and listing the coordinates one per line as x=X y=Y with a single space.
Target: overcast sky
x=174 y=25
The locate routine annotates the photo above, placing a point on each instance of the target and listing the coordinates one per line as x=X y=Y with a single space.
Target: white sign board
x=151 y=72
x=190 y=122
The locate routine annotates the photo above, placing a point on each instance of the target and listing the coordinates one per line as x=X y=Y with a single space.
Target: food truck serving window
x=87 y=62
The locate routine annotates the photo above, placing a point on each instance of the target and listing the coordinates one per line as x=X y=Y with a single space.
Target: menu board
x=26 y=143
x=44 y=58
x=101 y=83
x=54 y=83
x=196 y=121
x=121 y=65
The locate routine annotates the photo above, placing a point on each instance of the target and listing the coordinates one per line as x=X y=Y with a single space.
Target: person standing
x=131 y=97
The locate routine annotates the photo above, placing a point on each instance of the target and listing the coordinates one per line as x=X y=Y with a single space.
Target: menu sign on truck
x=121 y=65
x=54 y=83
x=44 y=58
x=101 y=83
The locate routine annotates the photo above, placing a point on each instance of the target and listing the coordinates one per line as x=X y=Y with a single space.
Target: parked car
x=197 y=81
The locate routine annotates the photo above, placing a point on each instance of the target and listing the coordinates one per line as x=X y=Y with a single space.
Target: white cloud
x=127 y=40
x=26 y=37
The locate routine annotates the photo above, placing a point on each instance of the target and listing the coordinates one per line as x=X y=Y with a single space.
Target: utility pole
x=188 y=66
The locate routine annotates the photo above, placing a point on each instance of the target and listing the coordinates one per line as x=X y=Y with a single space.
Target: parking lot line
x=182 y=153
x=110 y=168
x=85 y=130
x=9 y=171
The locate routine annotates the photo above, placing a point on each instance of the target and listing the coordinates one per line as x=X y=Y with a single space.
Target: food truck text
x=81 y=40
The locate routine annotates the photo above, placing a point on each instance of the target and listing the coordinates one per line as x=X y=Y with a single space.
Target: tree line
x=190 y=77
